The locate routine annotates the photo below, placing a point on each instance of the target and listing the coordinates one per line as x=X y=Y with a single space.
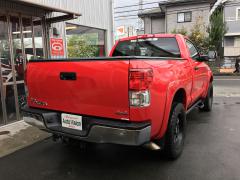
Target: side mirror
x=212 y=55
x=203 y=58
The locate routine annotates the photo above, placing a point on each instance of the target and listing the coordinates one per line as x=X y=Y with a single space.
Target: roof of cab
x=144 y=36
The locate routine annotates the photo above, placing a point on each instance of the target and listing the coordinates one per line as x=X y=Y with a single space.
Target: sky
x=131 y=19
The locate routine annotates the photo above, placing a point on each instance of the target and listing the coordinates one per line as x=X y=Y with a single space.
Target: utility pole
x=140 y=10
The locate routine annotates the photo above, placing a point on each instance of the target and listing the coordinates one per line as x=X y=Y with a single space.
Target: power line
x=132 y=17
x=140 y=21
x=126 y=19
x=119 y=12
x=196 y=8
x=148 y=4
x=170 y=12
x=125 y=16
x=120 y=7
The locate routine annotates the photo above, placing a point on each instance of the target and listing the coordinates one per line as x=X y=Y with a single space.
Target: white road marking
x=226 y=79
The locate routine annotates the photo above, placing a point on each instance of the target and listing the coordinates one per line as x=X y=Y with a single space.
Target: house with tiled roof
x=232 y=19
x=177 y=14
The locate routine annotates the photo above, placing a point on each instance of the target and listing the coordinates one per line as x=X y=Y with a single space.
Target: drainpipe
x=223 y=41
x=166 y=21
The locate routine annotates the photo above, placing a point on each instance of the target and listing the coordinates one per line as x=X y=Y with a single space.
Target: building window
x=85 y=41
x=229 y=41
x=238 y=14
x=237 y=42
x=192 y=49
x=184 y=17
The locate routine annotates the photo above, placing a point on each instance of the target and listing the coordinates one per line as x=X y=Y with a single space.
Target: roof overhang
x=155 y=12
x=232 y=34
x=185 y=2
x=64 y=14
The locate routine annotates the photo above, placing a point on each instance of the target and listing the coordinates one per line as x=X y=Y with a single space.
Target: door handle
x=68 y=76
x=196 y=68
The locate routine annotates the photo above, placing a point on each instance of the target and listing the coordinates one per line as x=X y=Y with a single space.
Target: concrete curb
x=225 y=74
x=19 y=135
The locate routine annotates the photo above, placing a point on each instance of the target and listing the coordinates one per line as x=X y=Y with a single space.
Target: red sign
x=57 y=48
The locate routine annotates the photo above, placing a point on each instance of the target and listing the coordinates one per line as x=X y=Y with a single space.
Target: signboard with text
x=57 y=47
x=120 y=31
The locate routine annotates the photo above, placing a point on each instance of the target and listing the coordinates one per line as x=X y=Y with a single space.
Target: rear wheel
x=176 y=131
x=208 y=101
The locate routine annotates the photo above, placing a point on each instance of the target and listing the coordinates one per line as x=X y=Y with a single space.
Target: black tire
x=208 y=101
x=176 y=131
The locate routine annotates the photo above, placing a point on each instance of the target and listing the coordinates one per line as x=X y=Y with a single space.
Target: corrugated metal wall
x=11 y=7
x=95 y=13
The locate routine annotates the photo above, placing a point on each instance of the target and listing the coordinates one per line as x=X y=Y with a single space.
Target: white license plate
x=72 y=121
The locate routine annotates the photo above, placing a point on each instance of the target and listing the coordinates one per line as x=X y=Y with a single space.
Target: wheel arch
x=211 y=79
x=180 y=96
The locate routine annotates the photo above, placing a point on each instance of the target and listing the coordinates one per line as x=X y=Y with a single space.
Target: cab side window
x=192 y=49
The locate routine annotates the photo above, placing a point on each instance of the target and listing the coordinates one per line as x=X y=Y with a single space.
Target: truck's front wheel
x=176 y=131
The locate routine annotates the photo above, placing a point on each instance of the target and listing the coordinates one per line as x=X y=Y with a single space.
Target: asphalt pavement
x=227 y=86
x=212 y=152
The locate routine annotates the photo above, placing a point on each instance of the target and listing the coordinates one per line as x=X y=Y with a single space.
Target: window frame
x=105 y=32
x=229 y=41
x=184 y=13
x=238 y=14
x=137 y=44
x=197 y=55
x=236 y=42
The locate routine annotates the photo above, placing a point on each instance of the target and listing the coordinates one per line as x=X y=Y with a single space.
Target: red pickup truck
x=140 y=95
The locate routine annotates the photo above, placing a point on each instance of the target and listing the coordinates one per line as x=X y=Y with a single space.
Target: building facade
x=154 y=21
x=96 y=20
x=174 y=15
x=232 y=37
x=37 y=29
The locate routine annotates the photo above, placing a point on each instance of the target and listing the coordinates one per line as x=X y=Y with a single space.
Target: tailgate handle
x=68 y=76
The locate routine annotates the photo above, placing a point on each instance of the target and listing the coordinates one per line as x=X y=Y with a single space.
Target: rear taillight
x=139 y=99
x=140 y=79
x=139 y=83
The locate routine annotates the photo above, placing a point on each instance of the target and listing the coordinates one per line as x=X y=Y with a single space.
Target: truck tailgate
x=91 y=87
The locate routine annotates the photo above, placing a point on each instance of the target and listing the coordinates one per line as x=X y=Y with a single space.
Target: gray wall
x=154 y=25
x=230 y=12
x=95 y=13
x=9 y=6
x=147 y=25
x=199 y=11
x=232 y=38
x=158 y=25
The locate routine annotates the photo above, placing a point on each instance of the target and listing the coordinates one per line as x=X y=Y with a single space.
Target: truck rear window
x=151 y=47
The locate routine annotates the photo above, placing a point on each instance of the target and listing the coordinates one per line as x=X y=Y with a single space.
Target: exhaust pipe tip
x=152 y=146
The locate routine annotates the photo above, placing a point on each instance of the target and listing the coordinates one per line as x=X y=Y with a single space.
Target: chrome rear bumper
x=35 y=122
x=106 y=131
